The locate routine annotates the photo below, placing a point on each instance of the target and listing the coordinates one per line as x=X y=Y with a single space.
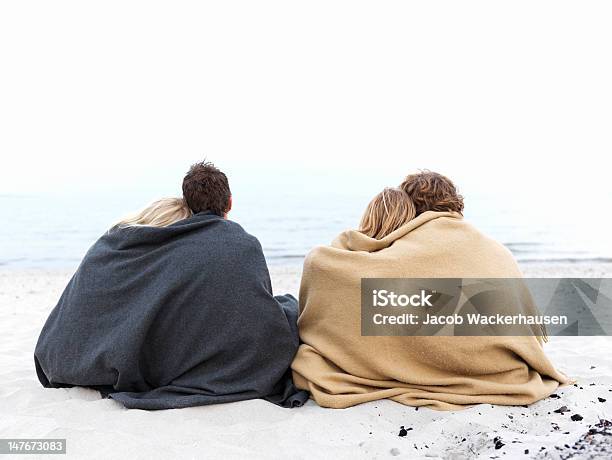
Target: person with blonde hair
x=414 y=232
x=387 y=212
x=160 y=213
x=173 y=307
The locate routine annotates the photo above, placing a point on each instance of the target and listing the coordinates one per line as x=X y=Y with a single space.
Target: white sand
x=101 y=428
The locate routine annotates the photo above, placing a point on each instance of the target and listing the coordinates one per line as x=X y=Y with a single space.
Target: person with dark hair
x=173 y=307
x=205 y=188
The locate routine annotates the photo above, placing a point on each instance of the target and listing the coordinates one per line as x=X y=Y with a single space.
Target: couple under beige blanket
x=414 y=231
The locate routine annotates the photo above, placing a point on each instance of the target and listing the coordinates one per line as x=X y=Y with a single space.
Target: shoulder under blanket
x=171 y=317
x=341 y=368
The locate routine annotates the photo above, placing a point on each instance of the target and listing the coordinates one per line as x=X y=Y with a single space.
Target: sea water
x=55 y=230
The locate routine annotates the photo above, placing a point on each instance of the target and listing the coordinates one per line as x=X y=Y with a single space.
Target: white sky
x=113 y=95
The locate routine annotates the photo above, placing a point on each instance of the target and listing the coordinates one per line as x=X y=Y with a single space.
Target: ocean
x=55 y=230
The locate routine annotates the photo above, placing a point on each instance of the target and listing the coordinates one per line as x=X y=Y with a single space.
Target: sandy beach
x=101 y=428
x=169 y=135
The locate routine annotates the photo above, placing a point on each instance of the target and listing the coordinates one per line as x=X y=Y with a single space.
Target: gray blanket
x=180 y=316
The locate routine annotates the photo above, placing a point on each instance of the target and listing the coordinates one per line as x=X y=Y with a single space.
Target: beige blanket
x=341 y=368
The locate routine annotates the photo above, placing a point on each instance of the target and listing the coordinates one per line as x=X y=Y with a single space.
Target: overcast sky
x=122 y=95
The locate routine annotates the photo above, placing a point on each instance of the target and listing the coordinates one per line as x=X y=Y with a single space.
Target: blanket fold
x=341 y=368
x=160 y=318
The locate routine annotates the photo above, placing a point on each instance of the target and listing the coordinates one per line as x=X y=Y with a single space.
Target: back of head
x=431 y=191
x=160 y=213
x=387 y=212
x=205 y=188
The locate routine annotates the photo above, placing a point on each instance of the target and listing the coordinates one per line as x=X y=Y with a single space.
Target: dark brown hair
x=205 y=188
x=431 y=191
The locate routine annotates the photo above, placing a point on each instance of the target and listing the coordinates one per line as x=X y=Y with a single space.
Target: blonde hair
x=160 y=213
x=387 y=212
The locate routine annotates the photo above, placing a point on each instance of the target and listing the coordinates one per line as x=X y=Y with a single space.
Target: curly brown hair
x=431 y=191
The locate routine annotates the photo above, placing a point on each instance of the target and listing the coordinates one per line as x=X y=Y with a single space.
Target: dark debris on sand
x=404 y=431
x=562 y=410
x=594 y=444
x=497 y=441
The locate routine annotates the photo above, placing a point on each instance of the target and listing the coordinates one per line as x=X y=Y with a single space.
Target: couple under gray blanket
x=173 y=307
